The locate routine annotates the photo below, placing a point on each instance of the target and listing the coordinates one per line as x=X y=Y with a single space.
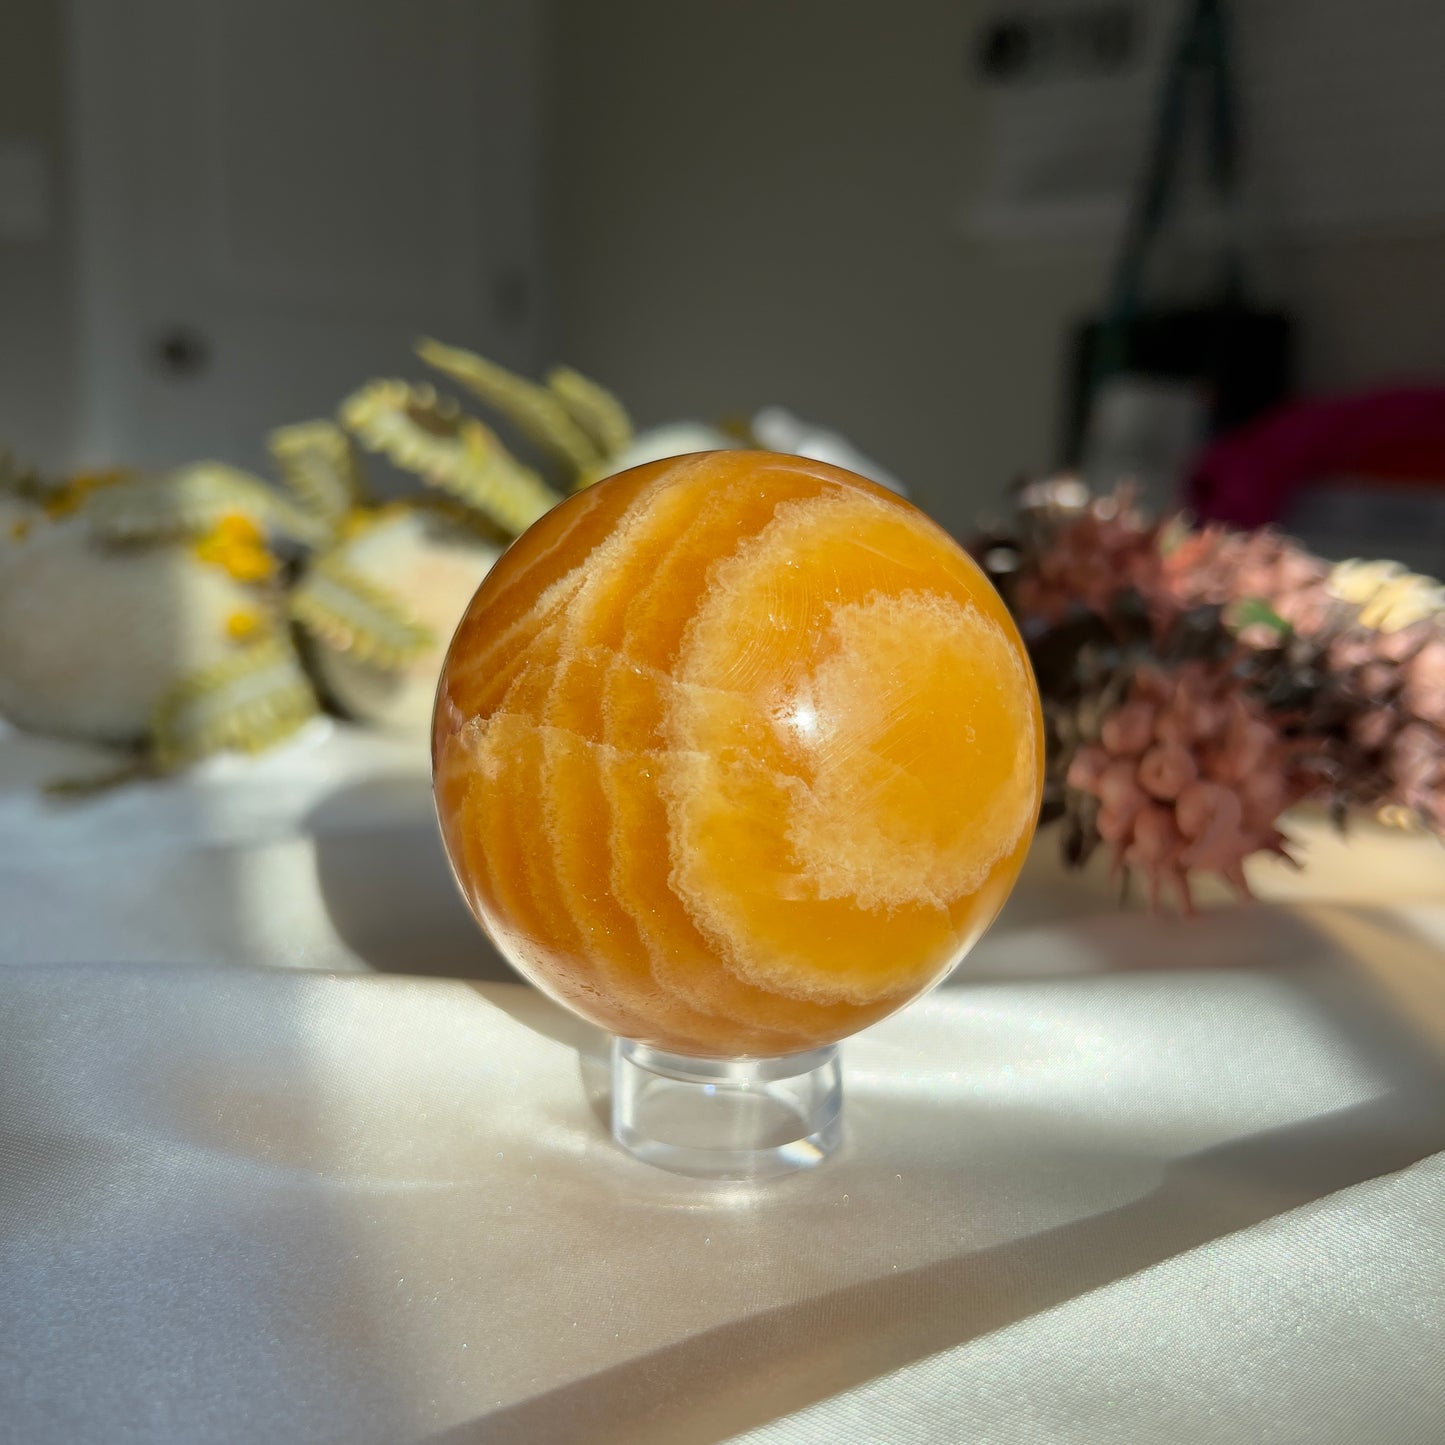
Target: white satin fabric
x=1125 y=1181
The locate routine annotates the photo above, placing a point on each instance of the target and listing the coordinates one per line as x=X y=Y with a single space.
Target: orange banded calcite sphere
x=735 y=753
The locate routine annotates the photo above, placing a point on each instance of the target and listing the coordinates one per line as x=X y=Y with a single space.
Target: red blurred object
x=1248 y=477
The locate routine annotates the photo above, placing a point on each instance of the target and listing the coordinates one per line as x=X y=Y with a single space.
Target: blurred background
x=219 y=216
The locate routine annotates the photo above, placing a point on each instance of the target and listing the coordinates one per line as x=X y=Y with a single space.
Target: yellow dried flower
x=1389 y=597
x=244 y=625
x=237 y=545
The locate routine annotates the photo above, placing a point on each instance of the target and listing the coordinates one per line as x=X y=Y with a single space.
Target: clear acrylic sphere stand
x=726 y=1118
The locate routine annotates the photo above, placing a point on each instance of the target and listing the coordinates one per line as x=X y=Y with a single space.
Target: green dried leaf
x=1255 y=612
x=593 y=408
x=190 y=501
x=94 y=784
x=246 y=702
x=349 y=613
x=1174 y=533
x=316 y=461
x=431 y=436
x=20 y=481
x=537 y=412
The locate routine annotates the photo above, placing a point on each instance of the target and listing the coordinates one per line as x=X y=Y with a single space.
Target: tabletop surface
x=263 y=1177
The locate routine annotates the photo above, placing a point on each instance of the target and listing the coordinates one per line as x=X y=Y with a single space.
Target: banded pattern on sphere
x=736 y=753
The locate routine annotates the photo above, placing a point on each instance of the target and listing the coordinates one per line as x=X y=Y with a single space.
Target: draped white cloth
x=1124 y=1180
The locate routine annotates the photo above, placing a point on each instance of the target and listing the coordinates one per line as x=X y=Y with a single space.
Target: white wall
x=36 y=294
x=137 y=243
x=752 y=201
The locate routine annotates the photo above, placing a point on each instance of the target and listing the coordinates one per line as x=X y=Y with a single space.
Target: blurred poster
x=1341 y=104
x=1070 y=90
